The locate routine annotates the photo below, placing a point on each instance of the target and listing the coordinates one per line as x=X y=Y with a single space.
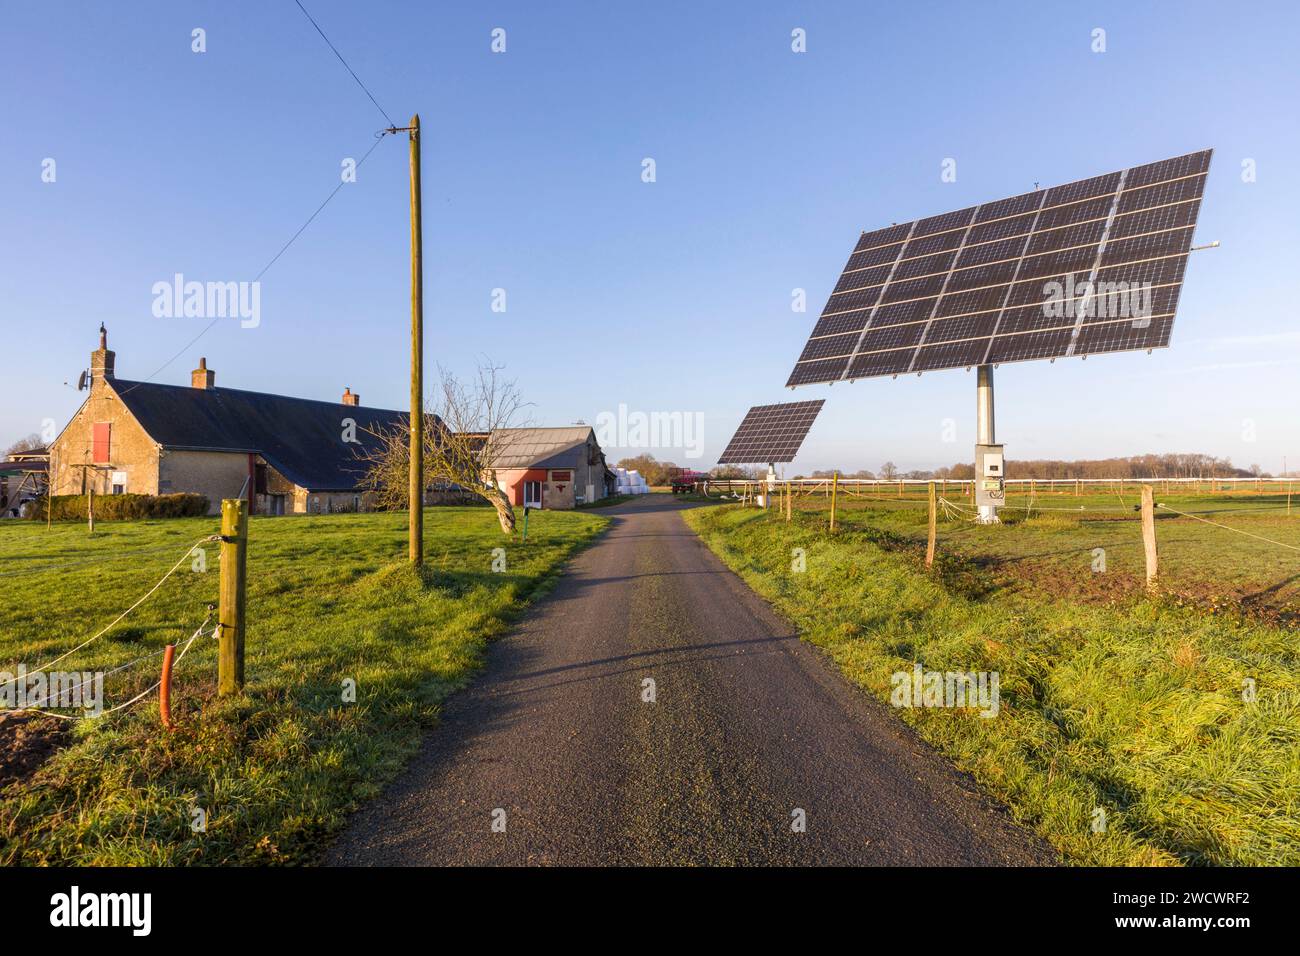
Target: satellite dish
x=81 y=382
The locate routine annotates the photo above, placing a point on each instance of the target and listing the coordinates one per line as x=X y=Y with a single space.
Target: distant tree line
x=653 y=471
x=1136 y=466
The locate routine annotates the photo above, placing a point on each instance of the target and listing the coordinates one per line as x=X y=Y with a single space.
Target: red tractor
x=683 y=480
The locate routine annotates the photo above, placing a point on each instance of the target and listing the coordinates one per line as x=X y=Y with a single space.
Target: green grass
x=278 y=768
x=1051 y=549
x=1131 y=705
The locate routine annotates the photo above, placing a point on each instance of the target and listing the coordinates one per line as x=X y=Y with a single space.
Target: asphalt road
x=748 y=726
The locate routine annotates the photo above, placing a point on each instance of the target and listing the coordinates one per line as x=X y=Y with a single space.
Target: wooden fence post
x=90 y=508
x=929 y=548
x=1149 y=537
x=234 y=570
x=789 y=502
x=835 y=484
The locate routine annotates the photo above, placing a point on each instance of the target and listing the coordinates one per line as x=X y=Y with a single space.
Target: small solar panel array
x=1091 y=266
x=771 y=433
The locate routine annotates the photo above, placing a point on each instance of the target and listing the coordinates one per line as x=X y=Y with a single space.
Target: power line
x=392 y=128
x=208 y=328
x=344 y=62
x=378 y=139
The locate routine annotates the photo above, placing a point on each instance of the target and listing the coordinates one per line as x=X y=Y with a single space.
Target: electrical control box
x=990 y=478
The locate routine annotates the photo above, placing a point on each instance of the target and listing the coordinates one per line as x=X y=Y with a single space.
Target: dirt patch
x=1053 y=580
x=26 y=742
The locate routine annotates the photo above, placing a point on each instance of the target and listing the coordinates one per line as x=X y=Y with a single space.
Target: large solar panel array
x=771 y=433
x=970 y=287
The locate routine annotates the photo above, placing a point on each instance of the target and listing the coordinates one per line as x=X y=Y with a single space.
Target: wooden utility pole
x=230 y=613
x=1149 y=537
x=835 y=484
x=416 y=522
x=929 y=547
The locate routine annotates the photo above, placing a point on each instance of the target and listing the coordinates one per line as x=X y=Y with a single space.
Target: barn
x=554 y=468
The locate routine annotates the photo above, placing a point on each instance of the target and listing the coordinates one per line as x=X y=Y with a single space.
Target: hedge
x=123 y=507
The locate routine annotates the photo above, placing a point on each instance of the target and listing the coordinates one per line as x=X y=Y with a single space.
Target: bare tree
x=459 y=449
x=30 y=443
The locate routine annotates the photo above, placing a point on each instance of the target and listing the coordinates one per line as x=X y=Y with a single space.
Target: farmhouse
x=288 y=455
x=549 y=467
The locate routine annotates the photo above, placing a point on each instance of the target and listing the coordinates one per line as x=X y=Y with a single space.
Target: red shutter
x=103 y=441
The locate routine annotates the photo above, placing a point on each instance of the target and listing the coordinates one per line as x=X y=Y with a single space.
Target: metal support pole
x=985 y=430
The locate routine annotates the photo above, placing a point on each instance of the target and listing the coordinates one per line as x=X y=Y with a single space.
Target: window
x=532 y=494
x=102 y=439
x=118 y=482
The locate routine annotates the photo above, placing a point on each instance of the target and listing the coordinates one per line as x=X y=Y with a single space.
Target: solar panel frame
x=975 y=267
x=771 y=433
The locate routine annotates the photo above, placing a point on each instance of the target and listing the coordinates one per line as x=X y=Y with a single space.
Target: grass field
x=276 y=769
x=1052 y=549
x=1110 y=701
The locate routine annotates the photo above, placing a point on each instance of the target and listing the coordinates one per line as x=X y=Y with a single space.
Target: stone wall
x=131 y=450
x=213 y=474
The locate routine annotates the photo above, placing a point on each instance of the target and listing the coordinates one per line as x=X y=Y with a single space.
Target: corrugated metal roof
x=539 y=447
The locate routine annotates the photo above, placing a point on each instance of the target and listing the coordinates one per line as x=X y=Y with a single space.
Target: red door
x=102 y=442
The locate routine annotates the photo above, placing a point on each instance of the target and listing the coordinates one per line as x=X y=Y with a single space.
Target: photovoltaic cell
x=979 y=285
x=771 y=433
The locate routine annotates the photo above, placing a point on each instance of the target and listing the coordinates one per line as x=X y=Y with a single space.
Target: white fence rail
x=901 y=486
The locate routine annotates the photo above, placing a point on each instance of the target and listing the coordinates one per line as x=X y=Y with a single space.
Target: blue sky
x=665 y=296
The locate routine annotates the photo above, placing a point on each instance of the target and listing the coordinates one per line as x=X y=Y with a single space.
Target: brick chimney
x=349 y=398
x=101 y=360
x=203 y=377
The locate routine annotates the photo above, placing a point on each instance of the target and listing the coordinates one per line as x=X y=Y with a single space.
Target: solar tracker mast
x=770 y=433
x=990 y=490
x=1086 y=268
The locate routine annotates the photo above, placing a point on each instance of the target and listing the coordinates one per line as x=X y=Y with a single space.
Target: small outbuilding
x=553 y=468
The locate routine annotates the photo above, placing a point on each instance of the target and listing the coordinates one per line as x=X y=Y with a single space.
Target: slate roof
x=540 y=447
x=300 y=437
